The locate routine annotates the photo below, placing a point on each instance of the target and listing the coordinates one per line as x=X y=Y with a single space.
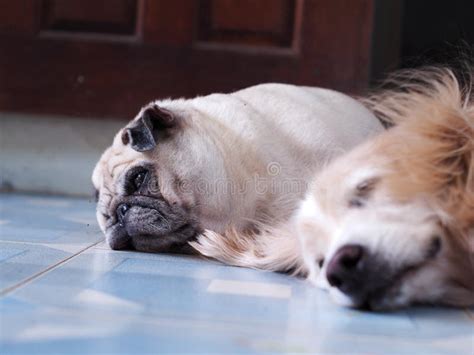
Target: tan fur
x=425 y=165
x=425 y=168
x=434 y=154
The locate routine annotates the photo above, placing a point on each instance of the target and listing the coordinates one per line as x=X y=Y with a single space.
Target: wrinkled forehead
x=114 y=161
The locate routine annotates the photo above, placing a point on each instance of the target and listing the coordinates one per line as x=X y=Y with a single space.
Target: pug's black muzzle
x=151 y=224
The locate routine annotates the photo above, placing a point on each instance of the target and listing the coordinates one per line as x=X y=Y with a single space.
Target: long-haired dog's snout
x=361 y=276
x=348 y=268
x=367 y=278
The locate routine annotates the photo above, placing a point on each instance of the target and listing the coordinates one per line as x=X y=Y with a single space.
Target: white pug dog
x=242 y=159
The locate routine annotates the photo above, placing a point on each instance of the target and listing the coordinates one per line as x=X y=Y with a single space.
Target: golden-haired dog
x=391 y=223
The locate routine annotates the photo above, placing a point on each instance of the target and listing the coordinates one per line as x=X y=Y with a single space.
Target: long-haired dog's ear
x=154 y=123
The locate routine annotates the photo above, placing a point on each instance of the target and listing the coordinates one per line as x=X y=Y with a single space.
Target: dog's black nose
x=346 y=267
x=122 y=210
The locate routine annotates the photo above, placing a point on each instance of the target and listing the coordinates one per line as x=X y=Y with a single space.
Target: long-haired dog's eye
x=362 y=192
x=320 y=262
x=366 y=186
x=356 y=202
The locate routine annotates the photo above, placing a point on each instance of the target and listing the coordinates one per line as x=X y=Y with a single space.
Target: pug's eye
x=135 y=180
x=138 y=179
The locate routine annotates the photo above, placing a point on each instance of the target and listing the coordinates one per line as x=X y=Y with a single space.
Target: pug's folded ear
x=154 y=123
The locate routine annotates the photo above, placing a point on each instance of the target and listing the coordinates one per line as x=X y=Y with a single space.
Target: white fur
x=238 y=139
x=401 y=233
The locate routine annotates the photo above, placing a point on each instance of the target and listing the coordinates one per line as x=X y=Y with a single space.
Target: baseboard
x=51 y=154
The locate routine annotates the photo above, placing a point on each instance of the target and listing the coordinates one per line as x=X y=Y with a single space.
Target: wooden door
x=100 y=58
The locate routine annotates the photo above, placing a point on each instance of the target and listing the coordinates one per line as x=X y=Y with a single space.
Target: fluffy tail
x=273 y=249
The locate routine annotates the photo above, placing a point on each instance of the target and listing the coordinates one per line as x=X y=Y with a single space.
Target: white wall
x=48 y=154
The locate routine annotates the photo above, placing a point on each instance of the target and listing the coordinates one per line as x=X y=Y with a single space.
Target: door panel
x=82 y=58
x=104 y=16
x=247 y=22
x=18 y=17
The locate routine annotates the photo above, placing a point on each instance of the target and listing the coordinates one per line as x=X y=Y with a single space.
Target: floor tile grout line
x=10 y=289
x=34 y=243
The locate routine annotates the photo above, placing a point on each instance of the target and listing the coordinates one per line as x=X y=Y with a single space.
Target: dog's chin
x=377 y=302
x=182 y=248
x=384 y=302
x=152 y=225
x=173 y=242
x=386 y=298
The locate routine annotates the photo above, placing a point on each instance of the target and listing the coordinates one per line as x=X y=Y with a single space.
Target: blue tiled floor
x=63 y=291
